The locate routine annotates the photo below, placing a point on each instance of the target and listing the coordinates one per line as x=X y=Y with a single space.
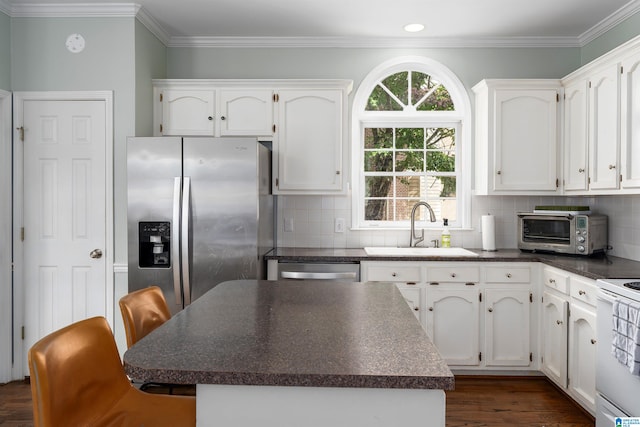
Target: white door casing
x=64 y=169
x=6 y=305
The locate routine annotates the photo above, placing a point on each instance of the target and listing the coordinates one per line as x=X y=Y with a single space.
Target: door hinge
x=557 y=97
x=277 y=182
x=480 y=296
x=589 y=181
x=22 y=332
x=161 y=97
x=620 y=177
x=557 y=183
x=480 y=356
x=531 y=357
x=621 y=69
x=21 y=130
x=276 y=97
x=274 y=128
x=22 y=234
x=531 y=297
x=160 y=127
x=589 y=84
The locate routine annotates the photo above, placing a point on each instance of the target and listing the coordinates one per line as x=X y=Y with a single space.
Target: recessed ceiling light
x=413 y=28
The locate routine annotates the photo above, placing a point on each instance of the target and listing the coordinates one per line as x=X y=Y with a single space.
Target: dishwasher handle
x=311 y=275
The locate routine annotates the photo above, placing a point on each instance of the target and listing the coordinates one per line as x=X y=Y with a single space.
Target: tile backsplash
x=310 y=222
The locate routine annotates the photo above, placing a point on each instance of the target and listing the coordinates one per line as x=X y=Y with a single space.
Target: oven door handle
x=318 y=275
x=607 y=296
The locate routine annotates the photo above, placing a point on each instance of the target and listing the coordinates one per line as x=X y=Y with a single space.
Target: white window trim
x=360 y=118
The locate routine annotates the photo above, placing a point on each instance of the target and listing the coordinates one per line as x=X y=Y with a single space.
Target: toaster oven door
x=554 y=233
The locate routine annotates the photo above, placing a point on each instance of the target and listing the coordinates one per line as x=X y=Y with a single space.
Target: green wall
x=41 y=62
x=5 y=52
x=618 y=35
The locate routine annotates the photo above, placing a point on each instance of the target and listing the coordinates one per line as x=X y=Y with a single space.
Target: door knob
x=96 y=253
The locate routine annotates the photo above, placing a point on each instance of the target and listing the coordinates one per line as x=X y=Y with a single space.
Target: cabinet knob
x=210 y=118
x=593 y=341
x=499 y=172
x=430 y=308
x=581 y=170
x=416 y=308
x=581 y=292
x=552 y=280
x=559 y=322
x=453 y=274
x=490 y=310
x=508 y=275
x=394 y=274
x=612 y=166
x=223 y=118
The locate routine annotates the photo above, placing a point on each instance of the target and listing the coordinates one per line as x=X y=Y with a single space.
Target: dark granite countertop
x=593 y=267
x=289 y=333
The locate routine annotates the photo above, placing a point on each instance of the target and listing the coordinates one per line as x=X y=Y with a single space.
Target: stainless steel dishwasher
x=345 y=272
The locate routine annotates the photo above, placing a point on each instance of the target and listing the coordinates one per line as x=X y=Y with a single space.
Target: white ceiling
x=354 y=22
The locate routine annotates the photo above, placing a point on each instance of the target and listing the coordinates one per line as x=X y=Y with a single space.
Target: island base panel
x=274 y=406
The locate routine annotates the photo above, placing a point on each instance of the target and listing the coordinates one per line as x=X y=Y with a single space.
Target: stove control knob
x=580 y=239
x=580 y=248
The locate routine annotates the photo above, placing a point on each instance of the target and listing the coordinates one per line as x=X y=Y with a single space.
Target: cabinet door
x=188 y=112
x=576 y=133
x=604 y=135
x=554 y=338
x=630 y=122
x=582 y=355
x=526 y=140
x=308 y=141
x=507 y=327
x=413 y=295
x=452 y=323
x=246 y=112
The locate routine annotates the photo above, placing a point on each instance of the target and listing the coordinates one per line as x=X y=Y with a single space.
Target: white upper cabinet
x=246 y=112
x=186 y=112
x=630 y=122
x=604 y=128
x=576 y=134
x=517 y=136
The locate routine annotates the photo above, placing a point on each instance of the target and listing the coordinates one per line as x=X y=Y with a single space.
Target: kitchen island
x=294 y=353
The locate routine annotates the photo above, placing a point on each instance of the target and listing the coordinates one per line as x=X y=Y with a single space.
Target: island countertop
x=293 y=333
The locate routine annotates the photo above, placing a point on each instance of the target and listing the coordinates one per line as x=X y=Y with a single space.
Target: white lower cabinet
x=569 y=334
x=478 y=316
x=453 y=316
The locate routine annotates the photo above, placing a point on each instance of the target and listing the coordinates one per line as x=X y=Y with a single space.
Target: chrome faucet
x=414 y=240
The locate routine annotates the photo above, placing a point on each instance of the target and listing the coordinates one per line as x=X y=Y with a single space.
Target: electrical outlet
x=339 y=225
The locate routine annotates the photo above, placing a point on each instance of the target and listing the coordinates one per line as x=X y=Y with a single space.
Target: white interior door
x=65 y=213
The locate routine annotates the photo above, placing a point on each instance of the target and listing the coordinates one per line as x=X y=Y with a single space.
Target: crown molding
x=135 y=10
x=371 y=42
x=609 y=22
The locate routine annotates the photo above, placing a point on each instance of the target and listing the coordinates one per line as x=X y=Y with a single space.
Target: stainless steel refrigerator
x=200 y=212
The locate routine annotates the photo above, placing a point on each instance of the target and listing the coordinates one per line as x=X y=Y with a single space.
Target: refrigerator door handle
x=186 y=215
x=175 y=233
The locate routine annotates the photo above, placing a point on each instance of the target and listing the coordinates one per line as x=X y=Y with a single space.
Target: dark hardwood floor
x=476 y=401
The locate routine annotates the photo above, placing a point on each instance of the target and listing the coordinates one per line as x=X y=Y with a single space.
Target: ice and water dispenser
x=154 y=244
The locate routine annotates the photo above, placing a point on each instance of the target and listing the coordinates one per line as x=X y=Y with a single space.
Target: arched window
x=411 y=120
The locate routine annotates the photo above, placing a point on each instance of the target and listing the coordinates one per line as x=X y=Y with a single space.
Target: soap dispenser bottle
x=446 y=235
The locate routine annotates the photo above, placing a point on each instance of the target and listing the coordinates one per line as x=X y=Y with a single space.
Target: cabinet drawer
x=584 y=290
x=556 y=280
x=508 y=274
x=453 y=274
x=392 y=273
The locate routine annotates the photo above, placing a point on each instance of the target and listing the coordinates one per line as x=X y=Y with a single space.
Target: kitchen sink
x=420 y=251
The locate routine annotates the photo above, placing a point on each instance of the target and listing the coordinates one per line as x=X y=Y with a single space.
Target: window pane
x=379 y=100
x=441 y=161
x=378 y=210
x=409 y=161
x=378 y=138
x=441 y=138
x=398 y=84
x=421 y=84
x=378 y=186
x=441 y=186
x=439 y=100
x=412 y=138
x=404 y=207
x=409 y=186
x=378 y=161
